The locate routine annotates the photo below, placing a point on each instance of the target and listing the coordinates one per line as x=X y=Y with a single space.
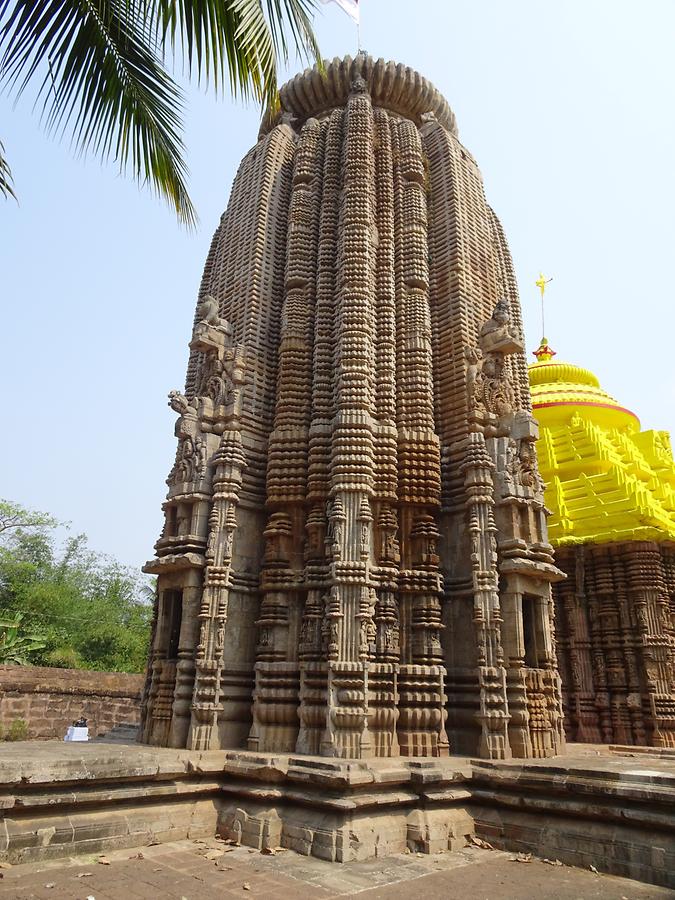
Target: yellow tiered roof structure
x=606 y=479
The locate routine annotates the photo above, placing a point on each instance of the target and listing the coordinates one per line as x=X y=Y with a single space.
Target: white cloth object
x=76 y=734
x=351 y=7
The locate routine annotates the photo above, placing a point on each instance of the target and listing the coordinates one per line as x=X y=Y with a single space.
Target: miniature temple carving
x=355 y=561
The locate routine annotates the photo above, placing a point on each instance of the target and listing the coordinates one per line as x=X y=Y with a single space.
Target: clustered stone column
x=365 y=570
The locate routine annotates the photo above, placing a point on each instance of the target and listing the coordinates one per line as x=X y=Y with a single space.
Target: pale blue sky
x=568 y=108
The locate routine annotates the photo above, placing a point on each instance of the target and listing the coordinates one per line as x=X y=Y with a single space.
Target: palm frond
x=298 y=13
x=243 y=39
x=6 y=179
x=104 y=81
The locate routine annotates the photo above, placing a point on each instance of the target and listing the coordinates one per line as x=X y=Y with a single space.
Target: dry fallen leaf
x=268 y=851
x=215 y=853
x=5 y=865
x=522 y=857
x=478 y=842
x=50 y=884
x=91 y=897
x=552 y=862
x=136 y=856
x=246 y=886
x=84 y=874
x=103 y=861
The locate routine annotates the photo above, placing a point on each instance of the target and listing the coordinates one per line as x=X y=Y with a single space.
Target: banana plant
x=15 y=647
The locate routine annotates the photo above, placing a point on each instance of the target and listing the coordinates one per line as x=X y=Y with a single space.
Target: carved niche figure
x=489 y=389
x=496 y=391
x=474 y=359
x=192 y=452
x=521 y=465
x=391 y=636
x=213 y=381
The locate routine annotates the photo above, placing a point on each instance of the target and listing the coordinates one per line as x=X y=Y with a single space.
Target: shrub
x=17 y=731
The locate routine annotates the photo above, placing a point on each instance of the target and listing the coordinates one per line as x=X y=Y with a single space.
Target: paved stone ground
x=183 y=871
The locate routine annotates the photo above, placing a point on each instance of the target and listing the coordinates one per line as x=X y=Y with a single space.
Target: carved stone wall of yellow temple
x=611 y=492
x=355 y=560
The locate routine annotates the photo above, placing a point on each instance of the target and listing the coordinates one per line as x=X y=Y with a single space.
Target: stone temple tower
x=354 y=561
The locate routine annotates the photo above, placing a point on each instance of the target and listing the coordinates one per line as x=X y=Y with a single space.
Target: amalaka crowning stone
x=355 y=560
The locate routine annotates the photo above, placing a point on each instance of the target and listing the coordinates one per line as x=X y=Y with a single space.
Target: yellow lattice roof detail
x=606 y=479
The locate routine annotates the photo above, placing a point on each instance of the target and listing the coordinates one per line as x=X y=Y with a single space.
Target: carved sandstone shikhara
x=354 y=561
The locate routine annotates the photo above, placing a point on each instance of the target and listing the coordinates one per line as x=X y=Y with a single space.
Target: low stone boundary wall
x=49 y=700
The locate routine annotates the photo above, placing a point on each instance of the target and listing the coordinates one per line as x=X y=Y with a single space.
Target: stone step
x=124 y=733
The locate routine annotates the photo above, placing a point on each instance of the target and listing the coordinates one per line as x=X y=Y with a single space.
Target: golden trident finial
x=541 y=283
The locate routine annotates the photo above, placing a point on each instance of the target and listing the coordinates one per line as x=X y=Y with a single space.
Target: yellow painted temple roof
x=606 y=479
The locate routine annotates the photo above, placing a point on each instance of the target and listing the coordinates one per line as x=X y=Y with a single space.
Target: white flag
x=351 y=7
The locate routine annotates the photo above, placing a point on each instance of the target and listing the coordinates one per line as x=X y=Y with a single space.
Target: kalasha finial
x=544 y=351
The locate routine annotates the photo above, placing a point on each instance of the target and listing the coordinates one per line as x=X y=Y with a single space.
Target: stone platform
x=610 y=808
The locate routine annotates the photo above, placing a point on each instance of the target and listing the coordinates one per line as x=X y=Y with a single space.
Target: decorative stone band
x=393 y=86
x=573 y=403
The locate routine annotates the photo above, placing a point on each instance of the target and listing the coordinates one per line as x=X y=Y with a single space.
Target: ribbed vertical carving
x=464 y=279
x=352 y=459
x=323 y=405
x=245 y=266
x=516 y=362
x=277 y=674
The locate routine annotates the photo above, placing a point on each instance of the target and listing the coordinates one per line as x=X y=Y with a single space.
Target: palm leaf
x=244 y=39
x=5 y=175
x=104 y=81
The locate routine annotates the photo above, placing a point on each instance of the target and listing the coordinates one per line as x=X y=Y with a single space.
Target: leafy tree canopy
x=77 y=608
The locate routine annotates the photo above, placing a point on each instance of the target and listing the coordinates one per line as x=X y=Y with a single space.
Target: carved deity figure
x=489 y=389
x=497 y=333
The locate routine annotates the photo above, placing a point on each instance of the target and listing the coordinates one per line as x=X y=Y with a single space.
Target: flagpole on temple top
x=357 y=19
x=541 y=283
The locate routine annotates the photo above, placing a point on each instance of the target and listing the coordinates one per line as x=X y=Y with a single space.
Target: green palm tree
x=100 y=73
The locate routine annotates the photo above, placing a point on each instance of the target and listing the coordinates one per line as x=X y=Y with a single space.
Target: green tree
x=88 y=610
x=99 y=68
x=14 y=516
